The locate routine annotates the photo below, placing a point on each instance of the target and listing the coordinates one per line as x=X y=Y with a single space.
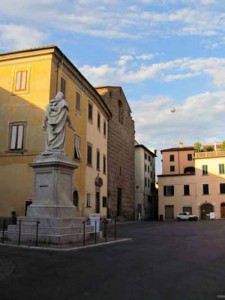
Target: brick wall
x=120 y=152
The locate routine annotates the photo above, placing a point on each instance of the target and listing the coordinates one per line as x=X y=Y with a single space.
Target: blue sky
x=162 y=52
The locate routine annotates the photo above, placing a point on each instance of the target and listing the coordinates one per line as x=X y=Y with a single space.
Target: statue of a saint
x=56 y=117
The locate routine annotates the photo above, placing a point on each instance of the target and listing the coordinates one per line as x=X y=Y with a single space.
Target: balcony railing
x=209 y=154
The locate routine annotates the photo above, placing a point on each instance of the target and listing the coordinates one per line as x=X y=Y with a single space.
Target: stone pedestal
x=52 y=207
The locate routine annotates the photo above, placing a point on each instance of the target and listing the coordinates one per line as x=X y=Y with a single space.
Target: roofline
x=116 y=86
x=178 y=149
x=56 y=48
x=144 y=147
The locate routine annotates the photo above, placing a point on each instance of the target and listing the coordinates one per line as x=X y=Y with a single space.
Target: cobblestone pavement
x=164 y=260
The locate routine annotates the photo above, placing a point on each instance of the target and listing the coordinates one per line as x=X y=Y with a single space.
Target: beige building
x=28 y=80
x=145 y=191
x=120 y=153
x=192 y=181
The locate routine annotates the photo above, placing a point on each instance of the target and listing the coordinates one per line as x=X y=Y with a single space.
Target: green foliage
x=209 y=148
x=197 y=146
x=223 y=146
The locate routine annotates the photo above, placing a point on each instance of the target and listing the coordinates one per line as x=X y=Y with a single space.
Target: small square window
x=171 y=157
x=172 y=168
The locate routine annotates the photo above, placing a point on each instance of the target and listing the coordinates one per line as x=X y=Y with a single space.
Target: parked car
x=183 y=216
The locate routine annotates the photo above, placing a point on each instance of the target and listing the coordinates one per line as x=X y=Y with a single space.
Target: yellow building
x=28 y=80
x=192 y=181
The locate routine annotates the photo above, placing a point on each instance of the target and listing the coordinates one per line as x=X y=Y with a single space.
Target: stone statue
x=56 y=117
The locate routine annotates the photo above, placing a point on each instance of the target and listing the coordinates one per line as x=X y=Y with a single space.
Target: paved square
x=164 y=260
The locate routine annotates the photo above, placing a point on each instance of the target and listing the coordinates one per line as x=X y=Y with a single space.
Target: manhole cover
x=6 y=267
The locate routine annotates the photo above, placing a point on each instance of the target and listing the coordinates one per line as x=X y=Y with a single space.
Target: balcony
x=209 y=154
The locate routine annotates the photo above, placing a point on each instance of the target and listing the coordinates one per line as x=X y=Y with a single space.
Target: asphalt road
x=164 y=260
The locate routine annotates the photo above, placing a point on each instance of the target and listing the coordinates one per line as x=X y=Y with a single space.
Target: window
x=168 y=190
x=171 y=157
x=148 y=169
x=120 y=112
x=99 y=121
x=222 y=188
x=90 y=111
x=172 y=168
x=104 y=164
x=63 y=86
x=88 y=201
x=89 y=154
x=78 y=102
x=204 y=170
x=186 y=190
x=104 y=201
x=77 y=147
x=98 y=160
x=21 y=81
x=16 y=136
x=146 y=181
x=189 y=156
x=221 y=169
x=104 y=128
x=149 y=158
x=205 y=189
x=145 y=168
x=146 y=156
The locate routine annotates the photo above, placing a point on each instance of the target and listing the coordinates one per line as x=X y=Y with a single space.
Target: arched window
x=189 y=170
x=120 y=111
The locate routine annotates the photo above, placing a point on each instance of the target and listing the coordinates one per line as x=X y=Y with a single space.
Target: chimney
x=181 y=144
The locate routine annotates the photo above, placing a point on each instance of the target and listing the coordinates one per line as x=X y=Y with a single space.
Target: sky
x=163 y=53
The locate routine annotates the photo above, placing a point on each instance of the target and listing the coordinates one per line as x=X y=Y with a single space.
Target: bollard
x=95 y=232
x=115 y=229
x=37 y=225
x=84 y=233
x=3 y=232
x=19 y=236
x=106 y=230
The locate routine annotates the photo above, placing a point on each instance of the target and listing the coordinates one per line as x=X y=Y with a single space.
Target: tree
x=198 y=146
x=223 y=146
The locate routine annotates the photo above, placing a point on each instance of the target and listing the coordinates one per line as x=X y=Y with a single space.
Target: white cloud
x=18 y=36
x=168 y=71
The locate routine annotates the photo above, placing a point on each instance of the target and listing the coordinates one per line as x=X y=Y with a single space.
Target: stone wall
x=121 y=141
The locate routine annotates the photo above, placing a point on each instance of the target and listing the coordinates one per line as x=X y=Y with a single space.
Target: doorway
x=97 y=203
x=119 y=202
x=169 y=212
x=205 y=210
x=75 y=199
x=222 y=210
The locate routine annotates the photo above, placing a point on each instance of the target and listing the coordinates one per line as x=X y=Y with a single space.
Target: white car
x=186 y=216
